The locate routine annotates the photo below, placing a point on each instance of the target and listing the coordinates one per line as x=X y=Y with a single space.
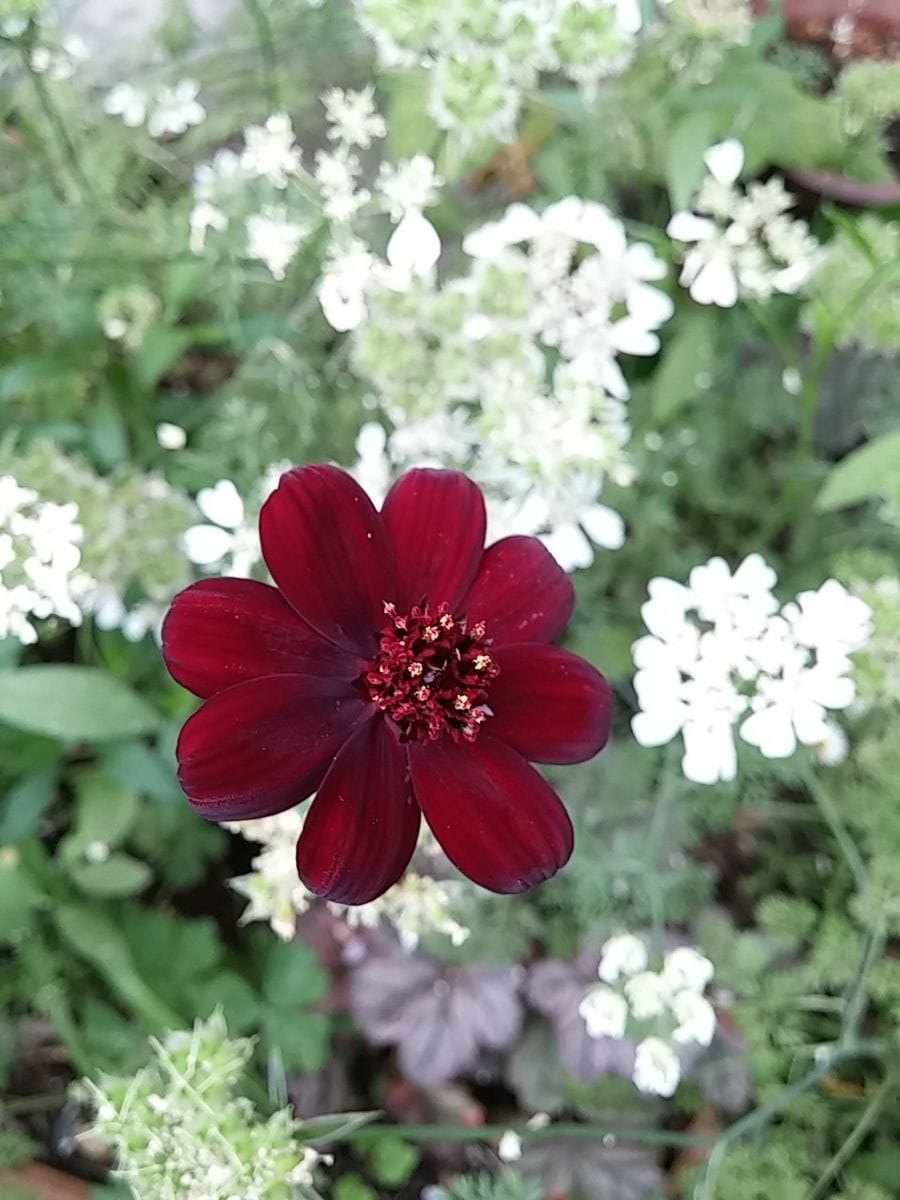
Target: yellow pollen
x=462 y=701
x=422 y=693
x=431 y=633
x=478 y=630
x=415 y=669
x=446 y=621
x=482 y=662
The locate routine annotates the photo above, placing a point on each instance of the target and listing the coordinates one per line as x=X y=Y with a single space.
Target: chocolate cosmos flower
x=397 y=668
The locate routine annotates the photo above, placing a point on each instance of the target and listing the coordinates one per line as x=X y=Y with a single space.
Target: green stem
x=80 y=188
x=267 y=51
x=667 y=793
x=854 y=1140
x=841 y=834
x=488 y=1133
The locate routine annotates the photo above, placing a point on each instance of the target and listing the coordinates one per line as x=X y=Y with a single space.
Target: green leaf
x=688 y=356
x=301 y=1038
x=392 y=1160
x=118 y=875
x=872 y=470
x=18 y=896
x=106 y=810
x=690 y=139
x=352 y=1187
x=96 y=938
x=334 y=1127
x=293 y=977
x=26 y=803
x=160 y=351
x=72 y=703
x=138 y=767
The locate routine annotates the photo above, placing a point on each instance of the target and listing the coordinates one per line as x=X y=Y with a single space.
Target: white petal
x=630 y=336
x=771 y=730
x=415 y=246
x=206 y=544
x=569 y=546
x=725 y=160
x=649 y=305
x=658 y=725
x=687 y=227
x=716 y=283
x=603 y=526
x=222 y=504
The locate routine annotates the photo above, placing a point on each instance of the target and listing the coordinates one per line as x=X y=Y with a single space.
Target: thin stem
x=487 y=1133
x=57 y=125
x=835 y=823
x=267 y=51
x=854 y=1139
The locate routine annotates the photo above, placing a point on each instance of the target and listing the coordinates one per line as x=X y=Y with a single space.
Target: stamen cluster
x=432 y=673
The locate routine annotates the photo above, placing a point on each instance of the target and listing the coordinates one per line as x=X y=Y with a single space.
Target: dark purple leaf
x=588 y=1170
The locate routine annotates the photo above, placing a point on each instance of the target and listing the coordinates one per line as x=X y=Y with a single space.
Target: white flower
x=270 y=151
x=657 y=1069
x=604 y=1012
x=725 y=160
x=342 y=287
x=834 y=747
x=204 y=216
x=337 y=176
x=229 y=538
x=623 y=954
x=352 y=117
x=170 y=437
x=830 y=618
x=175 y=109
x=414 y=247
x=128 y=102
x=509 y=1147
x=648 y=995
x=685 y=968
x=409 y=184
x=273 y=239
x=696 y=1019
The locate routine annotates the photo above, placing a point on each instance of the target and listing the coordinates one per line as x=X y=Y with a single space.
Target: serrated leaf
x=118 y=875
x=77 y=704
x=872 y=470
x=293 y=977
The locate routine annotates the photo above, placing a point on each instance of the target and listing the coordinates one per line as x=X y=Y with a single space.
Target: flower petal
x=328 y=553
x=362 y=827
x=495 y=817
x=550 y=705
x=520 y=592
x=435 y=521
x=262 y=746
x=219 y=632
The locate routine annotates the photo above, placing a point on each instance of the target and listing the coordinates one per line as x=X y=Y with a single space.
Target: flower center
x=432 y=673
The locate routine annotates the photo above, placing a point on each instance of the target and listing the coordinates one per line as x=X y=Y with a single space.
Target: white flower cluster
x=662 y=1010
x=167 y=111
x=726 y=21
x=743 y=243
x=417 y=905
x=482 y=56
x=720 y=651
x=228 y=541
x=461 y=368
x=40 y=562
x=181 y=1133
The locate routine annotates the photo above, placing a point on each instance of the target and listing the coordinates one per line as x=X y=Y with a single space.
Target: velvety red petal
x=362 y=826
x=435 y=521
x=520 y=592
x=326 y=547
x=495 y=817
x=219 y=632
x=262 y=746
x=550 y=705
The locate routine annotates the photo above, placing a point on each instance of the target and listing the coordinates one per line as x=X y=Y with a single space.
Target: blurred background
x=635 y=268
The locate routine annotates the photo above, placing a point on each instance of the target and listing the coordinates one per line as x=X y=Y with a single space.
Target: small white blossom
x=337 y=176
x=270 y=151
x=696 y=1019
x=409 y=184
x=685 y=968
x=175 y=109
x=604 y=1012
x=274 y=239
x=128 y=102
x=229 y=541
x=414 y=247
x=623 y=954
x=509 y=1148
x=352 y=117
x=657 y=1069
x=648 y=994
x=204 y=216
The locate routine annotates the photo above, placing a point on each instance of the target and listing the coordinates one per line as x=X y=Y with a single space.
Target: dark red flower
x=397 y=668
